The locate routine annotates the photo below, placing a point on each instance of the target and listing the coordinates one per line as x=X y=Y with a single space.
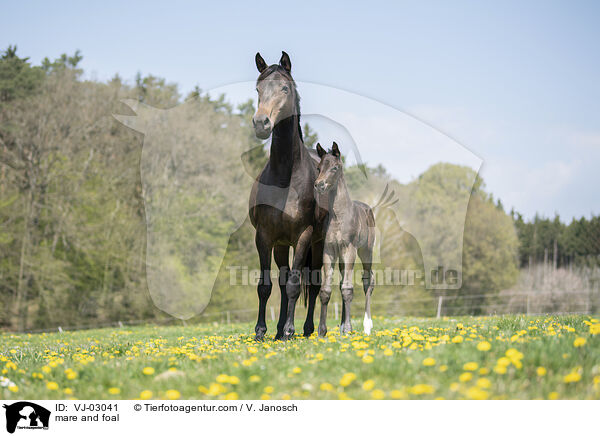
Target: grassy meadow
x=510 y=357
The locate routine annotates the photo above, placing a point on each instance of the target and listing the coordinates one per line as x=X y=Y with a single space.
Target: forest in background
x=72 y=218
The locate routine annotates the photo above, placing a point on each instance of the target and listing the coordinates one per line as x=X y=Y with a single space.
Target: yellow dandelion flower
x=470 y=366
x=443 y=368
x=368 y=359
x=297 y=370
x=572 y=377
x=326 y=387
x=397 y=394
x=476 y=393
x=269 y=389
x=541 y=371
x=68 y=391
x=378 y=394
x=52 y=386
x=222 y=378
x=114 y=391
x=286 y=397
x=429 y=361
x=252 y=350
x=347 y=378
x=421 y=389
x=484 y=346
x=254 y=378
x=553 y=396
x=148 y=370
x=265 y=397
x=368 y=385
x=13 y=388
x=465 y=377
x=388 y=352
x=172 y=394
x=232 y=396
x=579 y=342
x=145 y=395
x=458 y=339
x=484 y=383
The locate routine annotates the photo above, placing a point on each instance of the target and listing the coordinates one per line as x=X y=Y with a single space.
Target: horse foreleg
x=314 y=286
x=293 y=284
x=281 y=254
x=325 y=292
x=264 y=248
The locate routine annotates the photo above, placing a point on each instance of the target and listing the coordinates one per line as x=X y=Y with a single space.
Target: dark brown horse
x=282 y=204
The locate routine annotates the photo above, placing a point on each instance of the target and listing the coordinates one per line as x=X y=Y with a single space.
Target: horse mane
x=277 y=68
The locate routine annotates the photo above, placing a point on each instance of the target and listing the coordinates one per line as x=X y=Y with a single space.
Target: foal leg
x=325 y=292
x=314 y=286
x=366 y=255
x=281 y=253
x=293 y=284
x=347 y=258
x=264 y=248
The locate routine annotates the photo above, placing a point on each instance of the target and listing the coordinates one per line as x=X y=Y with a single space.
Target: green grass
x=87 y=364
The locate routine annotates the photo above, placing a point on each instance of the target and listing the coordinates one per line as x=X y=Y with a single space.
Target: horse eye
x=285 y=89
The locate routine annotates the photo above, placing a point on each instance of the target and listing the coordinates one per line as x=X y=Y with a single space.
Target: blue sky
x=514 y=82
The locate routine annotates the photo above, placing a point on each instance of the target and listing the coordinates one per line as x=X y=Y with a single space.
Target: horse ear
x=260 y=63
x=320 y=150
x=335 y=150
x=285 y=62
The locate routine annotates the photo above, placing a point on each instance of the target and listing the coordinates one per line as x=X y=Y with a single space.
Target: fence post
x=228 y=318
x=528 y=304
x=335 y=307
x=439 y=308
x=272 y=314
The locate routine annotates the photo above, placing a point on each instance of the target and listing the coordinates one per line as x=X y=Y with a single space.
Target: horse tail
x=307 y=276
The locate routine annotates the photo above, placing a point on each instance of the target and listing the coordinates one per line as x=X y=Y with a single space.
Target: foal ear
x=320 y=150
x=335 y=150
x=285 y=62
x=260 y=63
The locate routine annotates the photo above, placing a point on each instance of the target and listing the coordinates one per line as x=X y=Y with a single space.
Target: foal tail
x=307 y=276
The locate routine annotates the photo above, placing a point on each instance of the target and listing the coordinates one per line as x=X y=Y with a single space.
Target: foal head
x=330 y=168
x=277 y=95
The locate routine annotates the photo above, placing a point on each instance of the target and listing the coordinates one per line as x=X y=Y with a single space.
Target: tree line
x=73 y=227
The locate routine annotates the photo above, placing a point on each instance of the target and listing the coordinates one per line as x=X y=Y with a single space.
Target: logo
x=26 y=415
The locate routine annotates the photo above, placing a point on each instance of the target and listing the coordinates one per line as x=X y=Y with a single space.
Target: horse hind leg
x=368 y=285
x=314 y=285
x=347 y=288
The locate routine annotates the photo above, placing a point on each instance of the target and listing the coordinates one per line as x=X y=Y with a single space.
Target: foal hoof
x=322 y=331
x=345 y=329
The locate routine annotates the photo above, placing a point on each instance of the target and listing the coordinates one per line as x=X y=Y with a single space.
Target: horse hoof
x=259 y=337
x=322 y=331
x=308 y=330
x=279 y=336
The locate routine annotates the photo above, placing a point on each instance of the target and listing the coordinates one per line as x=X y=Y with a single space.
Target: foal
x=349 y=229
